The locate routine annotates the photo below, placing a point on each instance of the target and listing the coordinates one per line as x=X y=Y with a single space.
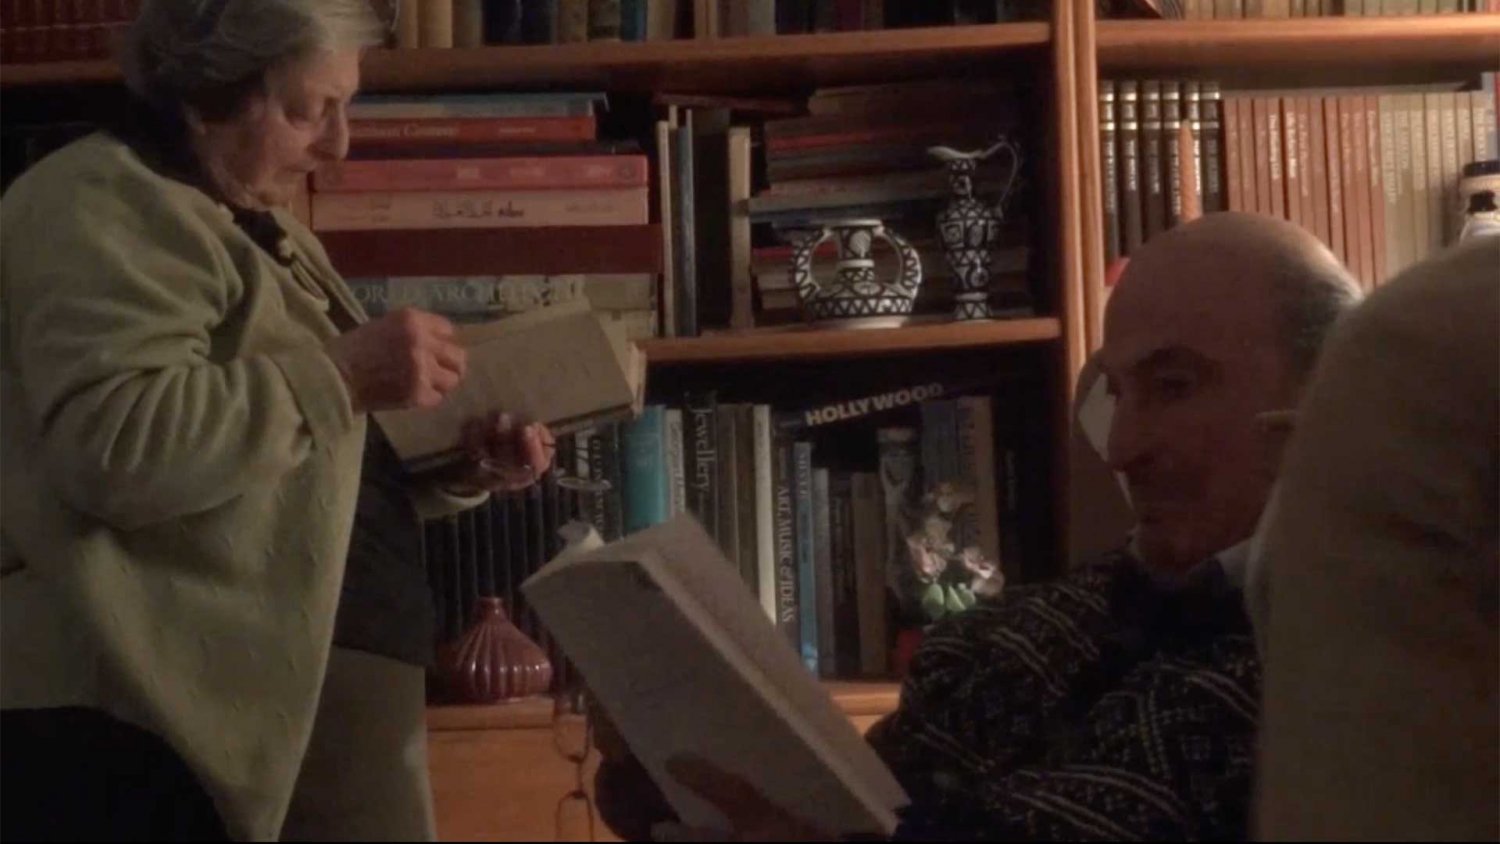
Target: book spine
x=539 y=21
x=823 y=574
x=646 y=485
x=537 y=173
x=1390 y=178
x=1421 y=191
x=672 y=436
x=468 y=23
x=441 y=130
x=746 y=530
x=1232 y=162
x=846 y=662
x=1357 y=186
x=1249 y=178
x=1432 y=114
x=784 y=477
x=684 y=226
x=1130 y=152
x=1110 y=170
x=1155 y=217
x=765 y=510
x=1294 y=162
x=1193 y=99
x=1483 y=105
x=572 y=21
x=870 y=573
x=1213 y=165
x=1460 y=129
x=1261 y=108
x=1171 y=125
x=741 y=292
x=605 y=20
x=378 y=210
x=1275 y=158
x=900 y=488
x=435 y=25
x=1403 y=225
x=701 y=453
x=1304 y=147
x=728 y=492
x=1318 y=167
x=633 y=20
x=976 y=454
x=807 y=579
x=1375 y=171
x=1337 y=208
x=666 y=218
x=611 y=454
x=473 y=106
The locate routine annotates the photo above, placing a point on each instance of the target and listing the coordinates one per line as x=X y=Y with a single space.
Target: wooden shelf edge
x=808 y=343
x=478 y=67
x=855 y=698
x=1456 y=40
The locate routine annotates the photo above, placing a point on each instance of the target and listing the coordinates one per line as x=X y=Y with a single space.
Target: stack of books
x=486 y=162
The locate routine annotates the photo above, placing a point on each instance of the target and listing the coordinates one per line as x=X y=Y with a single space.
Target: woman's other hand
x=404 y=359
x=504 y=455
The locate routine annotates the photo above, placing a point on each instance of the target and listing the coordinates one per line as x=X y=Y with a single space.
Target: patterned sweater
x=1101 y=707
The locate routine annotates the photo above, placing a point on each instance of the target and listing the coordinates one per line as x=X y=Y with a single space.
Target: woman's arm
x=113 y=299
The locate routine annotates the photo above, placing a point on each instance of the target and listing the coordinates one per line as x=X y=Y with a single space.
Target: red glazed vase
x=493 y=660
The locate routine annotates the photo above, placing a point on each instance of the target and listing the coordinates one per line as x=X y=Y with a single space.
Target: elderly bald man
x=1122 y=701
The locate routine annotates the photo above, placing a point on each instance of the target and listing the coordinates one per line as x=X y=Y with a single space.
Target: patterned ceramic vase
x=855 y=294
x=493 y=660
x=969 y=228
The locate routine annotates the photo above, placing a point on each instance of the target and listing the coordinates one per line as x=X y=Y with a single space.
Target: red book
x=520 y=173
x=472 y=130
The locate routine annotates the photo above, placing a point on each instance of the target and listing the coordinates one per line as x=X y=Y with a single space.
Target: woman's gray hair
x=211 y=54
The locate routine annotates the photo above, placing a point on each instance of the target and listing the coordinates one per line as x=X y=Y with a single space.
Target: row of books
x=1374 y=172
x=478 y=161
x=34 y=31
x=1236 y=9
x=820 y=542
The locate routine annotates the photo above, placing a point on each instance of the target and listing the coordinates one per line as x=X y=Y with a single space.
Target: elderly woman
x=185 y=383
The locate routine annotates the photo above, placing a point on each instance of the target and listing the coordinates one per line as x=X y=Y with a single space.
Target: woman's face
x=262 y=155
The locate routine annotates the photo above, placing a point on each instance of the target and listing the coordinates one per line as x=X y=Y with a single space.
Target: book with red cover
x=476 y=130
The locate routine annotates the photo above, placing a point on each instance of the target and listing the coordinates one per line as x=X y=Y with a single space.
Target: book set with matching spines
x=1373 y=172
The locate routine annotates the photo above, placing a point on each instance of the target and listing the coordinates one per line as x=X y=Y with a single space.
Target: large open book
x=561 y=365
x=684 y=660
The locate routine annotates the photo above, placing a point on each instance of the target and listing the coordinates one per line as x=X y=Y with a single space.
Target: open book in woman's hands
x=692 y=673
x=563 y=366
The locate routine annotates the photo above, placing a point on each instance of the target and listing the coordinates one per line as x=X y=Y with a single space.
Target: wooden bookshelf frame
x=740 y=65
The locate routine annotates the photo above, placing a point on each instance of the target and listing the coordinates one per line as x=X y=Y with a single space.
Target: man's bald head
x=1213 y=324
x=1262 y=265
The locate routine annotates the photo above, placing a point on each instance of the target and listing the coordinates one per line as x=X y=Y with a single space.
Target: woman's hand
x=404 y=359
x=504 y=456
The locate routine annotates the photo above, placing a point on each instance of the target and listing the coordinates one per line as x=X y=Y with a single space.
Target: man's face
x=1191 y=361
x=299 y=124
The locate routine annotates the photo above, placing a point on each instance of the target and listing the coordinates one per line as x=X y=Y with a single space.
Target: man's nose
x=1129 y=436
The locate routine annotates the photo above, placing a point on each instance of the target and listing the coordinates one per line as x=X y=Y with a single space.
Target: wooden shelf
x=808 y=343
x=751 y=65
x=854 y=698
x=58 y=73
x=548 y=251
x=1428 y=44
